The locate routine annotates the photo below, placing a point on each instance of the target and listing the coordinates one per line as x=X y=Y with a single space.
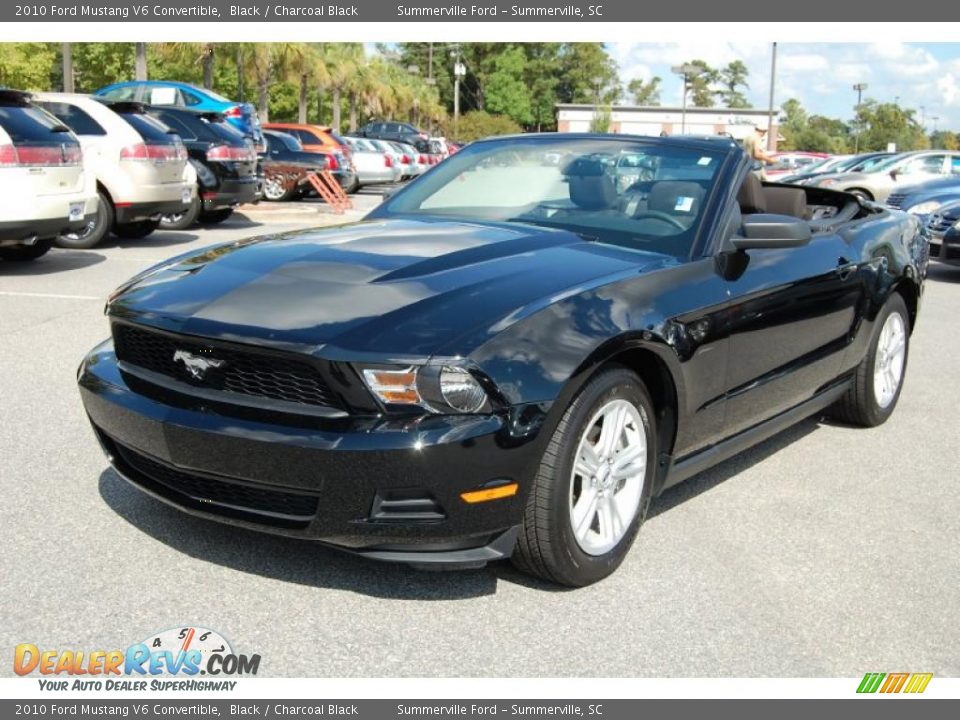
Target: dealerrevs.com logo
x=184 y=652
x=891 y=683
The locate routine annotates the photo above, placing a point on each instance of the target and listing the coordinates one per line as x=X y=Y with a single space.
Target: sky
x=820 y=75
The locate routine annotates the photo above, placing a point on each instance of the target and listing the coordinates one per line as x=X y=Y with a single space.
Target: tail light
x=388 y=161
x=234 y=112
x=149 y=153
x=40 y=155
x=422 y=160
x=332 y=163
x=404 y=159
x=230 y=153
x=423 y=135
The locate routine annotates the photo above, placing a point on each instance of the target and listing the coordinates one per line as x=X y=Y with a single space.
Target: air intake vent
x=406 y=506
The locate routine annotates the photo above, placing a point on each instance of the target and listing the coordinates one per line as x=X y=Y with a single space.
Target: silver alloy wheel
x=888 y=364
x=609 y=471
x=172 y=218
x=273 y=188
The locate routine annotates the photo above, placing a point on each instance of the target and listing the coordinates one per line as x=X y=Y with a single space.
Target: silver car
x=904 y=169
x=374 y=166
x=413 y=161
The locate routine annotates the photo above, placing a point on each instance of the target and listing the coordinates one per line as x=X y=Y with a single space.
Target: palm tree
x=343 y=61
x=308 y=63
x=267 y=63
x=205 y=54
x=67 y=67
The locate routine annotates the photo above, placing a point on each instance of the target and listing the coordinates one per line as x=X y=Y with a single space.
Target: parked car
x=286 y=166
x=413 y=163
x=46 y=189
x=926 y=198
x=374 y=165
x=139 y=167
x=836 y=164
x=164 y=93
x=224 y=160
x=943 y=227
x=897 y=171
x=786 y=163
x=396 y=132
x=505 y=359
x=322 y=139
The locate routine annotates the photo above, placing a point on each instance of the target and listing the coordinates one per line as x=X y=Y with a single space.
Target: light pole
x=934 y=118
x=687 y=71
x=771 y=140
x=859 y=87
x=459 y=71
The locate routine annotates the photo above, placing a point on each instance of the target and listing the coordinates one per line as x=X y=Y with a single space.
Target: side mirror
x=772 y=231
x=893 y=174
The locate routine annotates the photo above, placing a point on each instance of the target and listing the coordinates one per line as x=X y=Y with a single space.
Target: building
x=635 y=120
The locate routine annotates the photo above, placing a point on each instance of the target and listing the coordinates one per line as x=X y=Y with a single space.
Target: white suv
x=45 y=188
x=141 y=168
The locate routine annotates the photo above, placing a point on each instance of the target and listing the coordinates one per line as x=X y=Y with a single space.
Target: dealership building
x=636 y=120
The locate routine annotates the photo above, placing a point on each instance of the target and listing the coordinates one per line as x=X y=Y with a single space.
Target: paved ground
x=827 y=551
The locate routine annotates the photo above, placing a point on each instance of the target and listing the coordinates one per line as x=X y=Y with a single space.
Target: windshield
x=643 y=195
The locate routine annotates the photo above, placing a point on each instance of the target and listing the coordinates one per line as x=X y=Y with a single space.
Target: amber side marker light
x=494 y=493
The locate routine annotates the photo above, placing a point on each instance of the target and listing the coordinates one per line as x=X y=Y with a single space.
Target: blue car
x=163 y=93
x=927 y=198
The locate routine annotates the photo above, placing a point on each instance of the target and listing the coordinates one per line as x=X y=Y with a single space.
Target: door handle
x=845 y=268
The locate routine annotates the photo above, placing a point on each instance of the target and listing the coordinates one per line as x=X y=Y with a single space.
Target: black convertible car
x=511 y=356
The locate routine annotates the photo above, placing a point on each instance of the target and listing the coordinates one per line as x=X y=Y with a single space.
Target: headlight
x=437 y=388
x=955 y=226
x=461 y=390
x=925 y=208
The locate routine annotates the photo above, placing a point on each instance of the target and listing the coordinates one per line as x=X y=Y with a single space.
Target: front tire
x=878 y=379
x=24 y=253
x=274 y=189
x=594 y=484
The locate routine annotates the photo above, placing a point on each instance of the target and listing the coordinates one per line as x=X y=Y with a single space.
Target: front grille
x=272 y=376
x=210 y=494
x=939 y=224
x=895 y=200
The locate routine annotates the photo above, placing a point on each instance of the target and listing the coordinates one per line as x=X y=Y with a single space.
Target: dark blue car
x=164 y=93
x=926 y=198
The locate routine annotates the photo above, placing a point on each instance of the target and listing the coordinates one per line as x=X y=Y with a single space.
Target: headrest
x=751 y=198
x=786 y=201
x=675 y=197
x=591 y=186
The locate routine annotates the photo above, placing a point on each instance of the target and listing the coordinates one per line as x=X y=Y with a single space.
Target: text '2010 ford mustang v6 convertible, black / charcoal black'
x=511 y=356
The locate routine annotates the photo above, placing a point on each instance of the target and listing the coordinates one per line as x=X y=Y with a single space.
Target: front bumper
x=135 y=212
x=385 y=489
x=945 y=247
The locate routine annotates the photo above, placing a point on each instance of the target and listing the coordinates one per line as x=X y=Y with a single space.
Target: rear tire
x=24 y=253
x=274 y=191
x=861 y=195
x=878 y=379
x=215 y=217
x=182 y=220
x=136 y=230
x=592 y=490
x=95 y=231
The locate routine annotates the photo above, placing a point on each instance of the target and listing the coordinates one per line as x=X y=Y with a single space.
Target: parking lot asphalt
x=825 y=551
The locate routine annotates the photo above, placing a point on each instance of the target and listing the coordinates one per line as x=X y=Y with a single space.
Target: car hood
x=394 y=286
x=932 y=187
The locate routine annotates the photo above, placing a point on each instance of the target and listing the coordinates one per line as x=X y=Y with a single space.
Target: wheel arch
x=908 y=288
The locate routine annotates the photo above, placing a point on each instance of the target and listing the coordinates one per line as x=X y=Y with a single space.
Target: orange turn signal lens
x=394 y=387
x=494 y=493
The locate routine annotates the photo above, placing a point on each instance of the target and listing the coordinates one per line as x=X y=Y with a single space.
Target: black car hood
x=394 y=286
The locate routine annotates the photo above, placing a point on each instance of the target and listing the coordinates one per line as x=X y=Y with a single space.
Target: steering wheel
x=658 y=215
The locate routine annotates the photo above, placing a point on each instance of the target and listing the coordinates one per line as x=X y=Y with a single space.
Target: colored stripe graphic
x=894 y=682
x=918 y=683
x=870 y=682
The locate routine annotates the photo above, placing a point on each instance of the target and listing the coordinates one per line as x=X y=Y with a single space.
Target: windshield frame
x=725 y=153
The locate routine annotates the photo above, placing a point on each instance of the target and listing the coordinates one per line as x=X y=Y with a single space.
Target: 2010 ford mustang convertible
x=509 y=357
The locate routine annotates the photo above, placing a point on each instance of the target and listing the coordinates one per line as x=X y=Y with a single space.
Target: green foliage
x=883 y=123
x=27 y=66
x=945 y=140
x=645 y=94
x=732 y=78
x=812 y=133
x=99 y=64
x=600 y=123
x=701 y=85
x=478 y=124
x=506 y=91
